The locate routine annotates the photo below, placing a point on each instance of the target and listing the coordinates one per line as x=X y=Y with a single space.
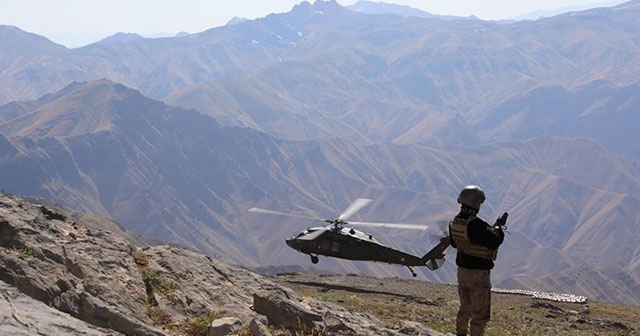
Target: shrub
x=24 y=250
x=138 y=256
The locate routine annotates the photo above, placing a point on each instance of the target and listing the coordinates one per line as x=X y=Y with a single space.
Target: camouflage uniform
x=477 y=243
x=474 y=289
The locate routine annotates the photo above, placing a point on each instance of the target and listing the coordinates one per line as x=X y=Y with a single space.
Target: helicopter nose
x=293 y=243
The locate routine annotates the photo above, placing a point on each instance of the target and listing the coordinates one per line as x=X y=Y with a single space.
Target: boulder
x=224 y=326
x=20 y=315
x=286 y=313
x=258 y=327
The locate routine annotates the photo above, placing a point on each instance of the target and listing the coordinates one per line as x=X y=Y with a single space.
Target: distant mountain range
x=175 y=138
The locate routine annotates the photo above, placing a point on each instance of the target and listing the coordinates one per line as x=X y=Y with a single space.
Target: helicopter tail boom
x=434 y=259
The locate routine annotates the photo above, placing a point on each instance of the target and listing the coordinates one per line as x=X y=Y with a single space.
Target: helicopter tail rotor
x=434 y=259
x=434 y=264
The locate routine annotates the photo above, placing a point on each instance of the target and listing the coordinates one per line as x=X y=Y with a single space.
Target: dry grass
x=393 y=300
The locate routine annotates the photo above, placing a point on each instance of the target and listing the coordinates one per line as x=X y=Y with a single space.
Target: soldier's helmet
x=471 y=196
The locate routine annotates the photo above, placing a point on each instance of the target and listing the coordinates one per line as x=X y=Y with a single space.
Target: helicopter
x=338 y=239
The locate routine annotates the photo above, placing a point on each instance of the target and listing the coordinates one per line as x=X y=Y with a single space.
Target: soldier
x=477 y=243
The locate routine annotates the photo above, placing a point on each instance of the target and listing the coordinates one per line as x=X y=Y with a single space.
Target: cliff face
x=57 y=272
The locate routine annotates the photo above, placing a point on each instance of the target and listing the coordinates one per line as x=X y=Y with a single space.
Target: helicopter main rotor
x=354 y=207
x=341 y=221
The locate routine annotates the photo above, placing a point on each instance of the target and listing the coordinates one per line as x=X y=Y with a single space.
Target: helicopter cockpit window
x=306 y=232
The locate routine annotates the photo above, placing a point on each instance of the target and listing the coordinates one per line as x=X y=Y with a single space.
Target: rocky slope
x=60 y=276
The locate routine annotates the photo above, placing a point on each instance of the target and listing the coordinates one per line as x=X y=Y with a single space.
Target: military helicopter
x=338 y=239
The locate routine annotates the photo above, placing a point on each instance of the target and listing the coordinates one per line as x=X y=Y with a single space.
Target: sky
x=75 y=23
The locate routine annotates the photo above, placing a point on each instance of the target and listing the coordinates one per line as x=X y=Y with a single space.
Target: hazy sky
x=75 y=23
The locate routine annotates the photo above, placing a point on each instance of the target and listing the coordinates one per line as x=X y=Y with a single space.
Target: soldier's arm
x=481 y=233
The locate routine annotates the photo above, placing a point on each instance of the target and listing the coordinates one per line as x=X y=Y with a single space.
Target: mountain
x=370 y=7
x=598 y=110
x=176 y=175
x=331 y=70
x=24 y=45
x=537 y=14
x=304 y=111
x=382 y=8
x=26 y=60
x=103 y=142
x=431 y=81
x=121 y=37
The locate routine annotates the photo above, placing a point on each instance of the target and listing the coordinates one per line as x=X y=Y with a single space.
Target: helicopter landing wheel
x=314 y=259
x=412 y=272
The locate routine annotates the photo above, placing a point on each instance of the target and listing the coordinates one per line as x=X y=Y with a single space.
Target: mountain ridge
x=170 y=174
x=417 y=68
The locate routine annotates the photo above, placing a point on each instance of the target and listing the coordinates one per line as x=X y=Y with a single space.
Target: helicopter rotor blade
x=354 y=207
x=273 y=212
x=391 y=225
x=442 y=230
x=443 y=225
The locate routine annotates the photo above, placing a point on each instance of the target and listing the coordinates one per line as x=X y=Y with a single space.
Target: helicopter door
x=328 y=245
x=325 y=245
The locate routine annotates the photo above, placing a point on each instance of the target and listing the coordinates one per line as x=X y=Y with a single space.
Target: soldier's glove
x=501 y=222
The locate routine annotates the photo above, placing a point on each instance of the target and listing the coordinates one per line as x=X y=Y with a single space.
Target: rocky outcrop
x=97 y=282
x=21 y=315
x=316 y=317
x=87 y=273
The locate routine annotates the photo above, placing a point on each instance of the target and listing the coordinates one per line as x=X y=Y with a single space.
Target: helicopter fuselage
x=348 y=243
x=338 y=240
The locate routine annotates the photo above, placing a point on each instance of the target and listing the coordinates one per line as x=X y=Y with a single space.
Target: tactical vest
x=459 y=233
